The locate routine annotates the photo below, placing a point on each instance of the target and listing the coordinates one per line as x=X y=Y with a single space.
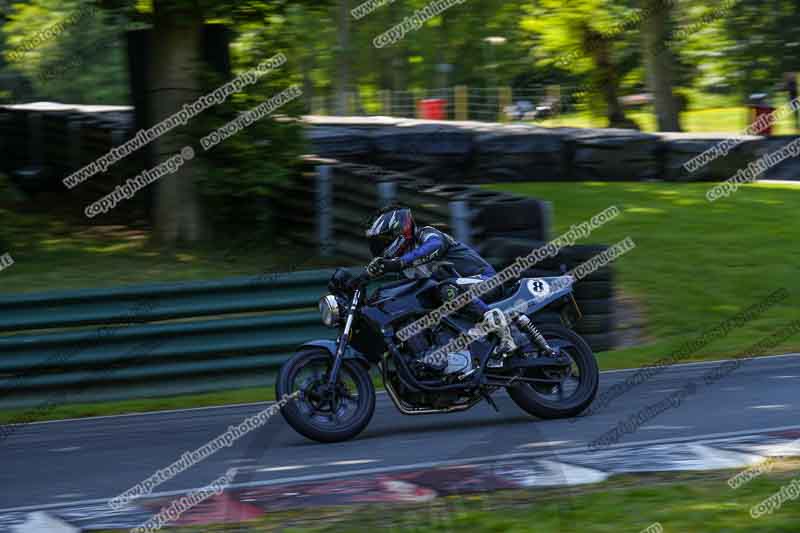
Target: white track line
x=412 y=466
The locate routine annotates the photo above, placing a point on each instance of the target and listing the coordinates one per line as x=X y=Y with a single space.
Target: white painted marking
x=573 y=474
x=40 y=522
x=656 y=427
x=352 y=462
x=544 y=444
x=67 y=449
x=728 y=435
x=716 y=459
x=784 y=377
x=774 y=407
x=282 y=468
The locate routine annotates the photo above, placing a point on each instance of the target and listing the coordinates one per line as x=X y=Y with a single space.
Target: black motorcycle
x=552 y=373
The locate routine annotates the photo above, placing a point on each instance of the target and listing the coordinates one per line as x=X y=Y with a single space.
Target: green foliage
x=242 y=170
x=66 y=51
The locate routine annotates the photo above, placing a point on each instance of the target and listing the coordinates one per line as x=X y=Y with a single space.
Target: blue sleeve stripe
x=432 y=245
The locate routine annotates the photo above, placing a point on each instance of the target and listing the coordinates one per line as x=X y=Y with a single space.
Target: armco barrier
x=154 y=340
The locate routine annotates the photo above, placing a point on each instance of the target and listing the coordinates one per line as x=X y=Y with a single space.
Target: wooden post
x=503 y=101
x=386 y=99
x=461 y=102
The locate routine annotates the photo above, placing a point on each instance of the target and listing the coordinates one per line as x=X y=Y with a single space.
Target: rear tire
x=536 y=404
x=301 y=413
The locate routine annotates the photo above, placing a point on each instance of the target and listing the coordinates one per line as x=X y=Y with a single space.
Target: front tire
x=314 y=414
x=538 y=401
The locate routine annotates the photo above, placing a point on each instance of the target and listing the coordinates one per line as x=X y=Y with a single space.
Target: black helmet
x=391 y=233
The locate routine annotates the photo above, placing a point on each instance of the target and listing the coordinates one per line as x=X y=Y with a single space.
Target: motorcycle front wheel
x=320 y=414
x=577 y=384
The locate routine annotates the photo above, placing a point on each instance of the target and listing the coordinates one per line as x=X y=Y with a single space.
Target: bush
x=242 y=169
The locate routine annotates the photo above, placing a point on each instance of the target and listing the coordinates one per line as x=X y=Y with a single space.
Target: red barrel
x=758 y=112
x=432 y=108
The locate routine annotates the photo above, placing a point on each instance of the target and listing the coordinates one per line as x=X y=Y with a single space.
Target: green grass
x=695 y=263
x=680 y=502
x=83 y=410
x=50 y=254
x=725 y=119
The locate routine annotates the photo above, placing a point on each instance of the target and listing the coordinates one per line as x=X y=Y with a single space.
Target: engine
x=426 y=342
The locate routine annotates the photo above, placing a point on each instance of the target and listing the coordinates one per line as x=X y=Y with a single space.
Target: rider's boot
x=495 y=321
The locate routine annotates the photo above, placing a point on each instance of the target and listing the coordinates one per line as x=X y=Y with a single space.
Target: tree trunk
x=658 y=62
x=176 y=52
x=596 y=44
x=343 y=59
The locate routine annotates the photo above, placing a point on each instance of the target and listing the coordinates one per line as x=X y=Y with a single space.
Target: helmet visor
x=378 y=244
x=395 y=248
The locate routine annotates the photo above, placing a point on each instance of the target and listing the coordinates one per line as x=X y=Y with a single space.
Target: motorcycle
x=552 y=373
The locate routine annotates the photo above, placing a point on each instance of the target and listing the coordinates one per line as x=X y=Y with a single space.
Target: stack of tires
x=608 y=154
x=438 y=151
x=520 y=153
x=343 y=144
x=678 y=148
x=594 y=293
x=498 y=214
x=788 y=169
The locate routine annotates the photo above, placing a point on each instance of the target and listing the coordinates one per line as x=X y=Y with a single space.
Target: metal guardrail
x=154 y=340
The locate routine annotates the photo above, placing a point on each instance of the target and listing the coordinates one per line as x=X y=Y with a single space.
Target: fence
x=488 y=104
x=154 y=340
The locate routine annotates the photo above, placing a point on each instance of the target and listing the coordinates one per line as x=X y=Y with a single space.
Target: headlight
x=329 y=309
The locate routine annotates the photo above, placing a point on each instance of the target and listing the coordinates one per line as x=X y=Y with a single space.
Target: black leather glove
x=392 y=265
x=380 y=266
x=375 y=267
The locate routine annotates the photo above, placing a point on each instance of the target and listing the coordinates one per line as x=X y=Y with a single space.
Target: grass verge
x=679 y=502
x=695 y=263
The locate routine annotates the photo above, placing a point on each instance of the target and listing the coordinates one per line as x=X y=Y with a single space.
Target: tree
x=176 y=45
x=658 y=59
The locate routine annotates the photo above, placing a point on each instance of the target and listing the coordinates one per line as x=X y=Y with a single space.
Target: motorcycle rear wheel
x=543 y=401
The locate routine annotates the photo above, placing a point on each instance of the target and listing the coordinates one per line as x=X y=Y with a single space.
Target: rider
x=398 y=245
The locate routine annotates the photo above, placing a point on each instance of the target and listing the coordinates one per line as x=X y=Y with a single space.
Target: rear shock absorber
x=527 y=326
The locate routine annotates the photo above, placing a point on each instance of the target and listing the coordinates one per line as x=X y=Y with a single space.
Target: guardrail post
x=547 y=220
x=387 y=193
x=36 y=146
x=75 y=144
x=460 y=221
x=324 y=205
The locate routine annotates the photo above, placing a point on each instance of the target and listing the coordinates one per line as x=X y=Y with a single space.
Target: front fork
x=343 y=341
